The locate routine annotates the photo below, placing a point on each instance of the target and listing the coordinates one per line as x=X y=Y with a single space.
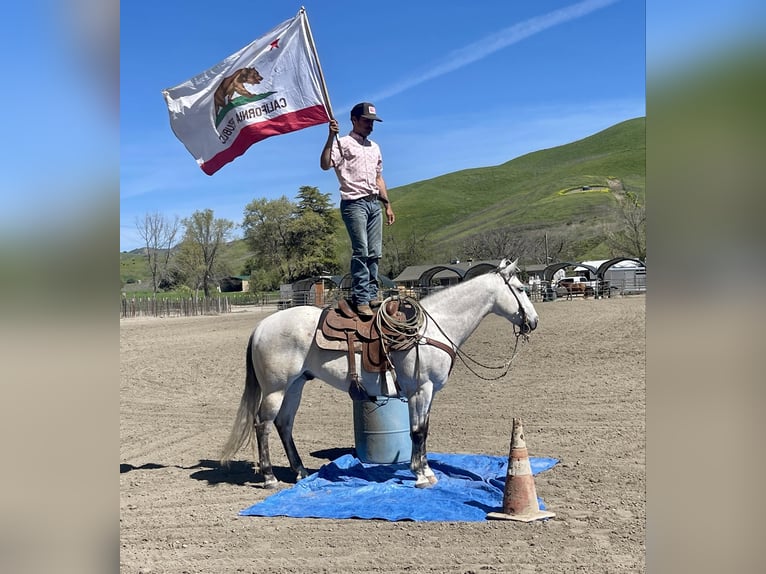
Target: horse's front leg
x=286 y=434
x=420 y=407
x=425 y=477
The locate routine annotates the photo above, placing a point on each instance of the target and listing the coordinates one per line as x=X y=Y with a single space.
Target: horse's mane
x=450 y=291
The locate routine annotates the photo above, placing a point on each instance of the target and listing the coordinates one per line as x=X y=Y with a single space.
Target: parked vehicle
x=572 y=280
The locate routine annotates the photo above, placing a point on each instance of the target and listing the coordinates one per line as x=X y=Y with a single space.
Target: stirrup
x=356 y=391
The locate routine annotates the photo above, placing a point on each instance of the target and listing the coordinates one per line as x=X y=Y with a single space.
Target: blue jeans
x=364 y=223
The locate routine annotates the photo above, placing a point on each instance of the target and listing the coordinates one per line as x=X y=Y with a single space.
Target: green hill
x=527 y=193
x=134 y=270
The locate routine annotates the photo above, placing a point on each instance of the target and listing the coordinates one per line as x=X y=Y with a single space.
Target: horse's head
x=514 y=301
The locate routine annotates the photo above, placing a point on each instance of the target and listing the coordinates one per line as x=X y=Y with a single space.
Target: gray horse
x=282 y=356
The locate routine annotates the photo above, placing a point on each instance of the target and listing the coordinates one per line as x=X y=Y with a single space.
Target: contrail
x=494 y=42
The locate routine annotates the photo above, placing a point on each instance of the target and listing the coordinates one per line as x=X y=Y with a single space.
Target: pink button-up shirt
x=358 y=167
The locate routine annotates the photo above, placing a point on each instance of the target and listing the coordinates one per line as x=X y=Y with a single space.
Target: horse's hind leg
x=284 y=423
x=262 y=430
x=267 y=412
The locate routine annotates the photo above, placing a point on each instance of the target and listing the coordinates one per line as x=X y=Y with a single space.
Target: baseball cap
x=365 y=110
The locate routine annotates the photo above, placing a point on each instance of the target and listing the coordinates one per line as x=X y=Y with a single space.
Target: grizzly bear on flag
x=235 y=84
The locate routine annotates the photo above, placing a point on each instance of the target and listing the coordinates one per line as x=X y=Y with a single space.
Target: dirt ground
x=577 y=385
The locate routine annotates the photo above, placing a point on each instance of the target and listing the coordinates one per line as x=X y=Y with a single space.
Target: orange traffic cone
x=520 y=495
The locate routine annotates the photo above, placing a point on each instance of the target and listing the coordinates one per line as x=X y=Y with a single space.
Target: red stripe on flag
x=286 y=123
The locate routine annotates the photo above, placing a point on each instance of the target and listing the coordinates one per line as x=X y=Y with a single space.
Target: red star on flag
x=274 y=44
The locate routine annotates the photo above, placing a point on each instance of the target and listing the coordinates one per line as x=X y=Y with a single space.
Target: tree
x=629 y=239
x=496 y=244
x=296 y=239
x=312 y=233
x=158 y=233
x=547 y=248
x=266 y=229
x=200 y=249
x=400 y=254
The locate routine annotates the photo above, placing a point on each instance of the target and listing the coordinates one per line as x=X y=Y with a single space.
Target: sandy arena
x=577 y=385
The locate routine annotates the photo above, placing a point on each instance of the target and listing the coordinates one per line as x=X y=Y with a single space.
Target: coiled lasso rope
x=398 y=334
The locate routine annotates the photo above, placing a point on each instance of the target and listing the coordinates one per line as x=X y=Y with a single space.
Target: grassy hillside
x=526 y=193
x=133 y=265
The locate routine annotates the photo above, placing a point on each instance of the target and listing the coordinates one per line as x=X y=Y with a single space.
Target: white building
x=629 y=275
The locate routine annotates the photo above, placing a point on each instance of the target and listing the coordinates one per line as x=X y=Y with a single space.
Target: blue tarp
x=469 y=487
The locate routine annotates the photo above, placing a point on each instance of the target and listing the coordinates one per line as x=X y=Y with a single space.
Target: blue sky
x=458 y=85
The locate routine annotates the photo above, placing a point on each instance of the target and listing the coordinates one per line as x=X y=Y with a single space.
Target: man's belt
x=374 y=197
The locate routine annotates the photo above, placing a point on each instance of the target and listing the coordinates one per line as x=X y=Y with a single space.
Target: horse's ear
x=508 y=267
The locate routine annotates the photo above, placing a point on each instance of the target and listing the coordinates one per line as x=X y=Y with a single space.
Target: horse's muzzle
x=528 y=326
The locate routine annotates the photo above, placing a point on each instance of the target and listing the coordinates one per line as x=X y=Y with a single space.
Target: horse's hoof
x=270 y=482
x=433 y=479
x=423 y=483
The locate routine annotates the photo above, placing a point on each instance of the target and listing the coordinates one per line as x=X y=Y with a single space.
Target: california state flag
x=270 y=87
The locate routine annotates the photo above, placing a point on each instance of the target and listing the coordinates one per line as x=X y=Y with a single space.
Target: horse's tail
x=243 y=429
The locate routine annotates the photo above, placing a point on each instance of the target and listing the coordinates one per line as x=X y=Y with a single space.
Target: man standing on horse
x=358 y=166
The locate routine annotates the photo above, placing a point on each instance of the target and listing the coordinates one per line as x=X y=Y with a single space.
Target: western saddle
x=342 y=329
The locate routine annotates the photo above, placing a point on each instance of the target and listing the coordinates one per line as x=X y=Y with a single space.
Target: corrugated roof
x=412 y=273
x=415 y=272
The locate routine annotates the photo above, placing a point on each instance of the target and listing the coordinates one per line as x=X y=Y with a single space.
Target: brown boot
x=364 y=311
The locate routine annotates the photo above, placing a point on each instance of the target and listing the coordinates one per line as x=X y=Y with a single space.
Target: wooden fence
x=191 y=306
x=173 y=307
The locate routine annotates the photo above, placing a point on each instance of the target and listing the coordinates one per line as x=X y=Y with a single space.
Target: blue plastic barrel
x=382 y=430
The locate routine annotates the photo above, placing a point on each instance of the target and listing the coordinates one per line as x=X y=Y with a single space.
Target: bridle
x=518 y=334
x=524 y=329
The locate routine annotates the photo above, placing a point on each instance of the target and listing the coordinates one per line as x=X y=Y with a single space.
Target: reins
x=464 y=357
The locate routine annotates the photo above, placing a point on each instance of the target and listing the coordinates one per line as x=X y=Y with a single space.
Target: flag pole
x=325 y=93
